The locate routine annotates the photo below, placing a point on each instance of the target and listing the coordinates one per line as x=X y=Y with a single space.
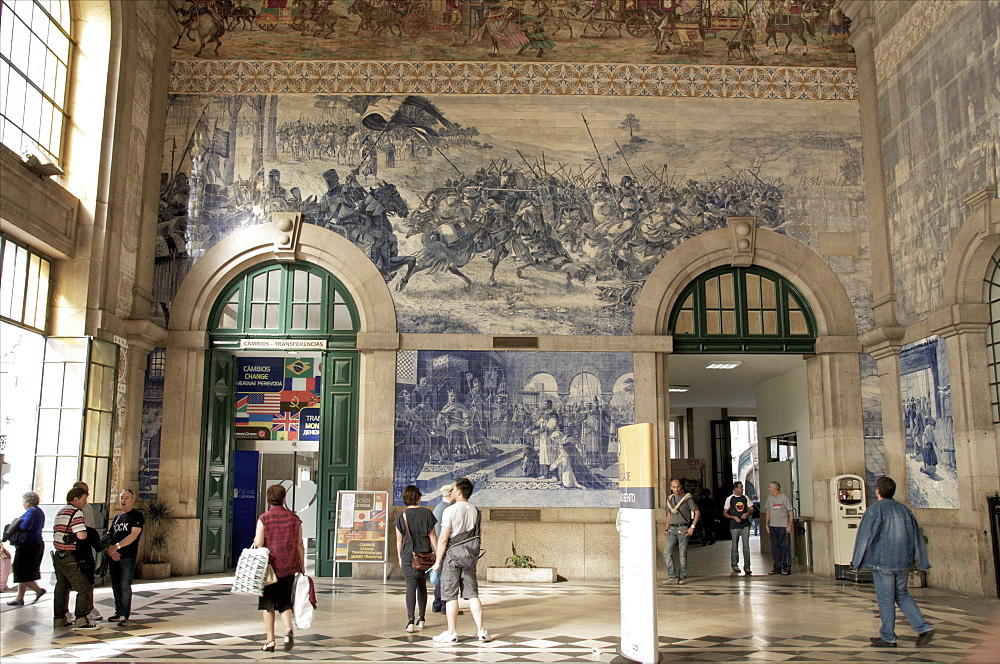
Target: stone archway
x=833 y=373
x=188 y=341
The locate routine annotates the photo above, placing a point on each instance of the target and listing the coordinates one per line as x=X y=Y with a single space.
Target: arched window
x=35 y=47
x=285 y=301
x=991 y=294
x=742 y=310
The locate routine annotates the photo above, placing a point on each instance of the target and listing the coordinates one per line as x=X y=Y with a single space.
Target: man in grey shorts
x=457 y=557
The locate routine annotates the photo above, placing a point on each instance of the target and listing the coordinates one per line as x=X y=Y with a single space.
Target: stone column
x=837 y=434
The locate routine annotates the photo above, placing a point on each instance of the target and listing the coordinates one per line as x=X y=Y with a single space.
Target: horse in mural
x=378 y=17
x=792 y=25
x=207 y=25
x=375 y=235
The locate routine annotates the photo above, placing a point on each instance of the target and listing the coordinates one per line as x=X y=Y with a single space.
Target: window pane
x=258 y=288
x=300 y=286
x=45 y=477
x=313 y=317
x=274 y=285
x=100 y=485
x=712 y=293
x=94 y=393
x=48 y=431
x=342 y=318
x=104 y=434
x=256 y=316
x=685 y=323
x=88 y=473
x=767 y=292
x=728 y=322
x=298 y=316
x=727 y=291
x=713 y=322
x=67 y=472
x=91 y=434
x=770 y=322
x=70 y=423
x=753 y=291
x=754 y=326
x=797 y=323
x=73 y=385
x=315 y=288
x=272 y=321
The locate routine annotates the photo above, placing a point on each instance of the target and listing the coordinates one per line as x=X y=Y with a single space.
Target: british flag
x=286 y=422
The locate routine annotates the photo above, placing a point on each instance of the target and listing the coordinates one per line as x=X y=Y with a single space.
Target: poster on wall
x=925 y=387
x=362 y=523
x=278 y=398
x=529 y=428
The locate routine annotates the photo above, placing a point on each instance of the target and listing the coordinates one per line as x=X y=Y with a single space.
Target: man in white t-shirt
x=457 y=557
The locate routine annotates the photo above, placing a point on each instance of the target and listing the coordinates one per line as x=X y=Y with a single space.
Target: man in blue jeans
x=888 y=542
x=778 y=520
x=682 y=517
x=125 y=531
x=739 y=512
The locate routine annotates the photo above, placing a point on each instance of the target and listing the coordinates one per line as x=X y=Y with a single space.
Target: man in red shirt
x=69 y=527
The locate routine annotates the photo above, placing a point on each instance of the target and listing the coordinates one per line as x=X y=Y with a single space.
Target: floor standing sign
x=362 y=525
x=637 y=538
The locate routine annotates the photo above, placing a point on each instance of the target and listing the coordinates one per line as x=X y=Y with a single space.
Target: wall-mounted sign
x=283 y=344
x=506 y=514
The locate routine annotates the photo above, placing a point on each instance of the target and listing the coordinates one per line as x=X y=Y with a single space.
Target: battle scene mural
x=529 y=428
x=518 y=214
x=734 y=32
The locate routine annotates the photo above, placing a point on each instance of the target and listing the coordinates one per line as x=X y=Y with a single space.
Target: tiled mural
x=512 y=214
x=529 y=428
x=751 y=32
x=925 y=387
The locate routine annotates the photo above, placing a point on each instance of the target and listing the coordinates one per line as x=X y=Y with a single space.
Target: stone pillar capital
x=883 y=342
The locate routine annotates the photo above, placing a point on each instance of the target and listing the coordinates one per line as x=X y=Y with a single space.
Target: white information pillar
x=637 y=540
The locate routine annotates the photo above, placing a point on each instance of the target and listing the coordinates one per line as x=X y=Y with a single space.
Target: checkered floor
x=720 y=618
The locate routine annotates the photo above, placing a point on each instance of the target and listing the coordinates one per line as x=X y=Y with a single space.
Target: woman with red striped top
x=280 y=530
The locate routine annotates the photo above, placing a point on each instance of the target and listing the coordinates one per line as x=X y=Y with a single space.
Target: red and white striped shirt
x=69 y=522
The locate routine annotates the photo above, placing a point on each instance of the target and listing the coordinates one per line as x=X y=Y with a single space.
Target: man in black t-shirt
x=125 y=531
x=739 y=511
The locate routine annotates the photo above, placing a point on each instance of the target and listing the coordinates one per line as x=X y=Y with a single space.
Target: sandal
x=289 y=640
x=268 y=647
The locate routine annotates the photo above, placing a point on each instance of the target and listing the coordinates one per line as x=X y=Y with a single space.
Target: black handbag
x=12 y=533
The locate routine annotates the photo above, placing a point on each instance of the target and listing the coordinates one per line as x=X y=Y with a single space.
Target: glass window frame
x=738 y=335
x=991 y=296
x=30 y=283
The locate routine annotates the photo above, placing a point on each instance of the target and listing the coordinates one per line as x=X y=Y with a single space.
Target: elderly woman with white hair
x=28 y=553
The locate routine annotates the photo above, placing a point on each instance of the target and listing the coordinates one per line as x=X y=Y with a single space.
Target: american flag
x=264 y=403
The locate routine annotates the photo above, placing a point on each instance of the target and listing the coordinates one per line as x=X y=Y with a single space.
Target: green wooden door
x=216 y=480
x=338 y=454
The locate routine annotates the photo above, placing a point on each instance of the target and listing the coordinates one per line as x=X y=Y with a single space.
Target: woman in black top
x=419 y=521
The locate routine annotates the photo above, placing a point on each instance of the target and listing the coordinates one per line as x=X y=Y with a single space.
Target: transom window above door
x=285 y=301
x=742 y=310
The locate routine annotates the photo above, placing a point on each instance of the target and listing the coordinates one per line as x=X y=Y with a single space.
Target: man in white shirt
x=457 y=557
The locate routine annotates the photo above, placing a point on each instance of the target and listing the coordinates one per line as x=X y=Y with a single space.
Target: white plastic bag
x=250 y=571
x=302 y=605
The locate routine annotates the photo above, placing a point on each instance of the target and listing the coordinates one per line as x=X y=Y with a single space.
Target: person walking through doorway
x=738 y=510
x=682 y=519
x=778 y=520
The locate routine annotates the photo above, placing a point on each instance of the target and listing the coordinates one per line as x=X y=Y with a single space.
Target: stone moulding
x=521 y=574
x=363 y=77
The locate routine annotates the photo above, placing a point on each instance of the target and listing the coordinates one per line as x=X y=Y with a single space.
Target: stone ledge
x=521 y=574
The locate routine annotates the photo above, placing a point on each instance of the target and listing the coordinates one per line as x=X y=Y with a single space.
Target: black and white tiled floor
x=714 y=618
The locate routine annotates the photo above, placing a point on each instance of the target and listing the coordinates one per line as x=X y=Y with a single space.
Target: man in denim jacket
x=888 y=542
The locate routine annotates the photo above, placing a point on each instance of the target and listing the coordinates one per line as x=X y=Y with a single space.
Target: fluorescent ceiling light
x=723 y=365
x=677 y=388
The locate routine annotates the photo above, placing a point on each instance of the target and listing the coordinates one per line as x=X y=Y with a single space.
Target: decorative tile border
x=916 y=24
x=361 y=77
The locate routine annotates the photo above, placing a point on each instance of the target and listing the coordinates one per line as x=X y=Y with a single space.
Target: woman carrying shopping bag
x=280 y=530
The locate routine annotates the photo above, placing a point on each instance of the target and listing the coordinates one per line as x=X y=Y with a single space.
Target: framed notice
x=362 y=524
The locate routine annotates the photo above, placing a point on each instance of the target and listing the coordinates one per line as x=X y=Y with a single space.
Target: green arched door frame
x=281 y=302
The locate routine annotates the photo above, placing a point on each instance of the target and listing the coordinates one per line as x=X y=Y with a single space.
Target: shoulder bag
x=421 y=561
x=12 y=533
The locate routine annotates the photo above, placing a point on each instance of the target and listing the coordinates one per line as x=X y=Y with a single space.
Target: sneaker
x=114 y=618
x=446 y=637
x=123 y=622
x=420 y=624
x=61 y=622
x=736 y=569
x=681 y=582
x=95 y=615
x=484 y=636
x=877 y=642
x=409 y=626
x=924 y=638
x=84 y=622
x=748 y=572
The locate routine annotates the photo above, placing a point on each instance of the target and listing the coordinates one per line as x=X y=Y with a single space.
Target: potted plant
x=159 y=519
x=519 y=568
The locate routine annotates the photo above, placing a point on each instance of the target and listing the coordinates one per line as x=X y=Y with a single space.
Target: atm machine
x=848 y=500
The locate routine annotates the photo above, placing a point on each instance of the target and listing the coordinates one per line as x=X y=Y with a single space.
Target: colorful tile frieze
x=345 y=77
